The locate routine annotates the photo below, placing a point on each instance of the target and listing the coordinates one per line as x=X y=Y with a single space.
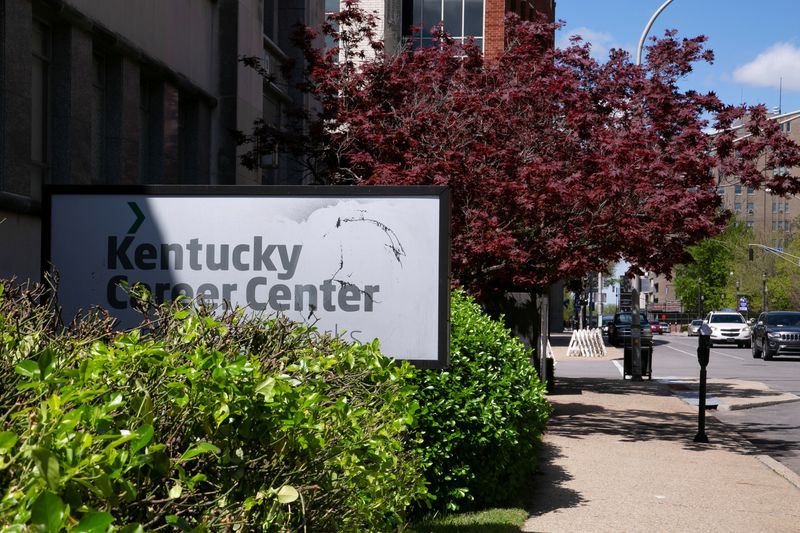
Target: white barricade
x=587 y=343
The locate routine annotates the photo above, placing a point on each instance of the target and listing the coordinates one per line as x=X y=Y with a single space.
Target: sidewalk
x=619 y=456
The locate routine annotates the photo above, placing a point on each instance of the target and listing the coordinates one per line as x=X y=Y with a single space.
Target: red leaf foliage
x=557 y=164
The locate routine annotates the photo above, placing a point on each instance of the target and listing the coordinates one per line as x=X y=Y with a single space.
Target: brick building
x=481 y=19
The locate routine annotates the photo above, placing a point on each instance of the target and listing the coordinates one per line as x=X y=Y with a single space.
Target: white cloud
x=781 y=60
x=601 y=42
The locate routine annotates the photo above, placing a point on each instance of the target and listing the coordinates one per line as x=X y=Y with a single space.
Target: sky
x=755 y=43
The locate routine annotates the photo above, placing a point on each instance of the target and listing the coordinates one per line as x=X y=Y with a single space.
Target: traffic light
x=750 y=253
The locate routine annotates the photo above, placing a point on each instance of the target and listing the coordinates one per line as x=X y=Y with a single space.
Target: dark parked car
x=619 y=331
x=776 y=333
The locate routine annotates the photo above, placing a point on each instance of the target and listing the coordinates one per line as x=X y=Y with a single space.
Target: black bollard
x=703 y=352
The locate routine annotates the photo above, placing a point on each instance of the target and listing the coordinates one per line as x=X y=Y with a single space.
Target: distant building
x=134 y=92
x=773 y=219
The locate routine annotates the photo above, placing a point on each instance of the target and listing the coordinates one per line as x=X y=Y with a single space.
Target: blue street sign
x=742 y=304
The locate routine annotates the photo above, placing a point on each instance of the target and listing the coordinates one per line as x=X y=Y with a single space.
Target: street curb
x=766 y=403
x=780 y=469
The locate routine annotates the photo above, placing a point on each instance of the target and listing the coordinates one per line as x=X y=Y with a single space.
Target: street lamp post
x=647 y=29
x=764 y=292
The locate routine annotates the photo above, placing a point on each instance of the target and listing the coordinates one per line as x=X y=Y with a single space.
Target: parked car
x=664 y=327
x=619 y=331
x=776 y=333
x=728 y=327
x=655 y=328
x=694 y=327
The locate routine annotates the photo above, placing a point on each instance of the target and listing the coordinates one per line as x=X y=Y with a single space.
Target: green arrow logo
x=139 y=217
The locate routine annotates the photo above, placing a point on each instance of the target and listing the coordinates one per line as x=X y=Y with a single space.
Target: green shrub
x=201 y=422
x=480 y=420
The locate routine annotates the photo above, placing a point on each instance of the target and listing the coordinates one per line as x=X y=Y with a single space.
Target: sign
x=625 y=301
x=668 y=307
x=362 y=262
x=743 y=304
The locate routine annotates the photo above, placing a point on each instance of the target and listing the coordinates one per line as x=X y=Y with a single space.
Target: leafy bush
x=198 y=422
x=480 y=420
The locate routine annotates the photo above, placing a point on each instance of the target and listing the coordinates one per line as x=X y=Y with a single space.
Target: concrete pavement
x=619 y=456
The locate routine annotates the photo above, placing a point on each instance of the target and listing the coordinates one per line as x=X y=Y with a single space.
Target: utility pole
x=764 y=305
x=599 y=299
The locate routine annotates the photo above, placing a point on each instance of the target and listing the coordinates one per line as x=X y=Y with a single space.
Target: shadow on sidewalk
x=549 y=491
x=615 y=408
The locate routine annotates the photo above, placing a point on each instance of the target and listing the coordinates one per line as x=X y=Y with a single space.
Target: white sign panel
x=361 y=262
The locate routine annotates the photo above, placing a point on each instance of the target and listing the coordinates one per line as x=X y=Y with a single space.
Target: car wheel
x=756 y=351
x=767 y=355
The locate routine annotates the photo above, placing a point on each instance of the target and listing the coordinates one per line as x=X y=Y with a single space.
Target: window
x=749 y=224
x=40 y=106
x=270 y=6
x=145 y=125
x=775 y=206
x=750 y=207
x=781 y=171
x=98 y=118
x=737 y=206
x=751 y=190
x=331 y=7
x=462 y=19
x=786 y=208
x=737 y=189
x=721 y=191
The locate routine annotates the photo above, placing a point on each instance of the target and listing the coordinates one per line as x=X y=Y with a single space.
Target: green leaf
x=180 y=315
x=48 y=512
x=48 y=467
x=287 y=494
x=143 y=436
x=222 y=414
x=176 y=490
x=45 y=362
x=7 y=441
x=94 y=523
x=267 y=389
x=132 y=528
x=198 y=449
x=28 y=369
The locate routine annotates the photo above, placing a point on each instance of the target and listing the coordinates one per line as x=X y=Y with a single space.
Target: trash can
x=647 y=362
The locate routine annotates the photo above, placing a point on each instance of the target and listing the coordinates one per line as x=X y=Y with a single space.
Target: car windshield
x=625 y=318
x=783 y=319
x=697 y=322
x=727 y=319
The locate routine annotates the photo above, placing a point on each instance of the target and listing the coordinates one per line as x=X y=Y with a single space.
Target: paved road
x=775 y=429
x=676 y=355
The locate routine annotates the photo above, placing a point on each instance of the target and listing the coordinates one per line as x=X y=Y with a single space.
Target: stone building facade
x=147 y=92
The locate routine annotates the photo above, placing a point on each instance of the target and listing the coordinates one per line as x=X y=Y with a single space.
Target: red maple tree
x=557 y=164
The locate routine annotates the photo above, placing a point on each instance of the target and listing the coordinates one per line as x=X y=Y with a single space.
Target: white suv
x=728 y=327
